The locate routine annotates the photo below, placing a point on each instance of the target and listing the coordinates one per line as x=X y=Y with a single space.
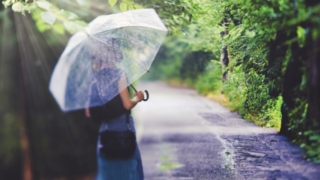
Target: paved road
x=183 y=135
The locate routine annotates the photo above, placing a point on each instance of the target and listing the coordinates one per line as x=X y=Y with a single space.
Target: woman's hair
x=106 y=50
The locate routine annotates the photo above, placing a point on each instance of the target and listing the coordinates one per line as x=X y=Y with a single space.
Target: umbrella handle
x=147 y=94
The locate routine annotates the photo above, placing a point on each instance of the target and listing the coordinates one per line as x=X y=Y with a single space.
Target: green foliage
x=175 y=14
x=112 y=2
x=263 y=77
x=177 y=60
x=301 y=36
x=168 y=60
x=49 y=16
x=84 y=3
x=194 y=64
x=247 y=86
x=261 y=41
x=210 y=80
x=272 y=113
x=125 y=5
x=45 y=12
x=235 y=89
x=298 y=118
x=313 y=145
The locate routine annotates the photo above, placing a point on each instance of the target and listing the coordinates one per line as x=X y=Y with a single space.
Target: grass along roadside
x=275 y=117
x=268 y=117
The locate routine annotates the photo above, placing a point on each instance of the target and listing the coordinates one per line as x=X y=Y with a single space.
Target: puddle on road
x=167 y=166
x=257 y=154
x=168 y=159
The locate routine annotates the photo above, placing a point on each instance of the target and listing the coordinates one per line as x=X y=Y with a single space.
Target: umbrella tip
x=148 y=71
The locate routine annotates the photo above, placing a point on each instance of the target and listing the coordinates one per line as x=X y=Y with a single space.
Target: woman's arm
x=128 y=103
x=86 y=110
x=86 y=107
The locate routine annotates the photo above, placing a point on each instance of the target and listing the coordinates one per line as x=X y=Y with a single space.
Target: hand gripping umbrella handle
x=147 y=94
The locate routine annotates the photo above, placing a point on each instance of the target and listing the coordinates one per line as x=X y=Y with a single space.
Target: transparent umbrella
x=112 y=45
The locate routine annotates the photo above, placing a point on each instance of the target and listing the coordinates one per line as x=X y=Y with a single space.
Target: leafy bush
x=210 y=80
x=235 y=89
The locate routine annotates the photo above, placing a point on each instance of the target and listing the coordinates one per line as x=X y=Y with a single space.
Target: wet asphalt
x=184 y=136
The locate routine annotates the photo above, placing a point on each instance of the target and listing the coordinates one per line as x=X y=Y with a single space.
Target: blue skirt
x=130 y=169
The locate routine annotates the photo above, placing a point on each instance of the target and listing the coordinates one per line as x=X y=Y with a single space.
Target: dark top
x=99 y=93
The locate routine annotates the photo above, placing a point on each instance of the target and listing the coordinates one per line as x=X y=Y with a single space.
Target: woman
x=113 y=114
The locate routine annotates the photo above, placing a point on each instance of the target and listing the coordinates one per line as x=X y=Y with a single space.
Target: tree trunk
x=291 y=80
x=313 y=86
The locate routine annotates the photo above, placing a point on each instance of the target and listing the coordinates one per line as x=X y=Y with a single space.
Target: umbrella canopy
x=123 y=43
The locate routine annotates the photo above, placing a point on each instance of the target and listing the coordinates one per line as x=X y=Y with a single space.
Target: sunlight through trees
x=272 y=76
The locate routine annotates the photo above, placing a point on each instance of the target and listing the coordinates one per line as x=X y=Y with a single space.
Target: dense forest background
x=259 y=58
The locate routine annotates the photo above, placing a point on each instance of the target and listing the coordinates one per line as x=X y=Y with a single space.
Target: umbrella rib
x=137 y=62
x=142 y=66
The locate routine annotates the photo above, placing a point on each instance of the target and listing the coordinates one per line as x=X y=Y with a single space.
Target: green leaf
x=48 y=17
x=59 y=28
x=137 y=6
x=315 y=34
x=42 y=26
x=54 y=9
x=72 y=16
x=123 y=6
x=45 y=5
x=129 y=2
x=67 y=15
x=112 y=2
x=84 y=3
x=301 y=36
x=74 y=26
x=130 y=7
x=7 y=3
x=30 y=7
x=18 y=7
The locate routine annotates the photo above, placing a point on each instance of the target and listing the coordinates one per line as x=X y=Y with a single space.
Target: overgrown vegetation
x=271 y=73
x=260 y=56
